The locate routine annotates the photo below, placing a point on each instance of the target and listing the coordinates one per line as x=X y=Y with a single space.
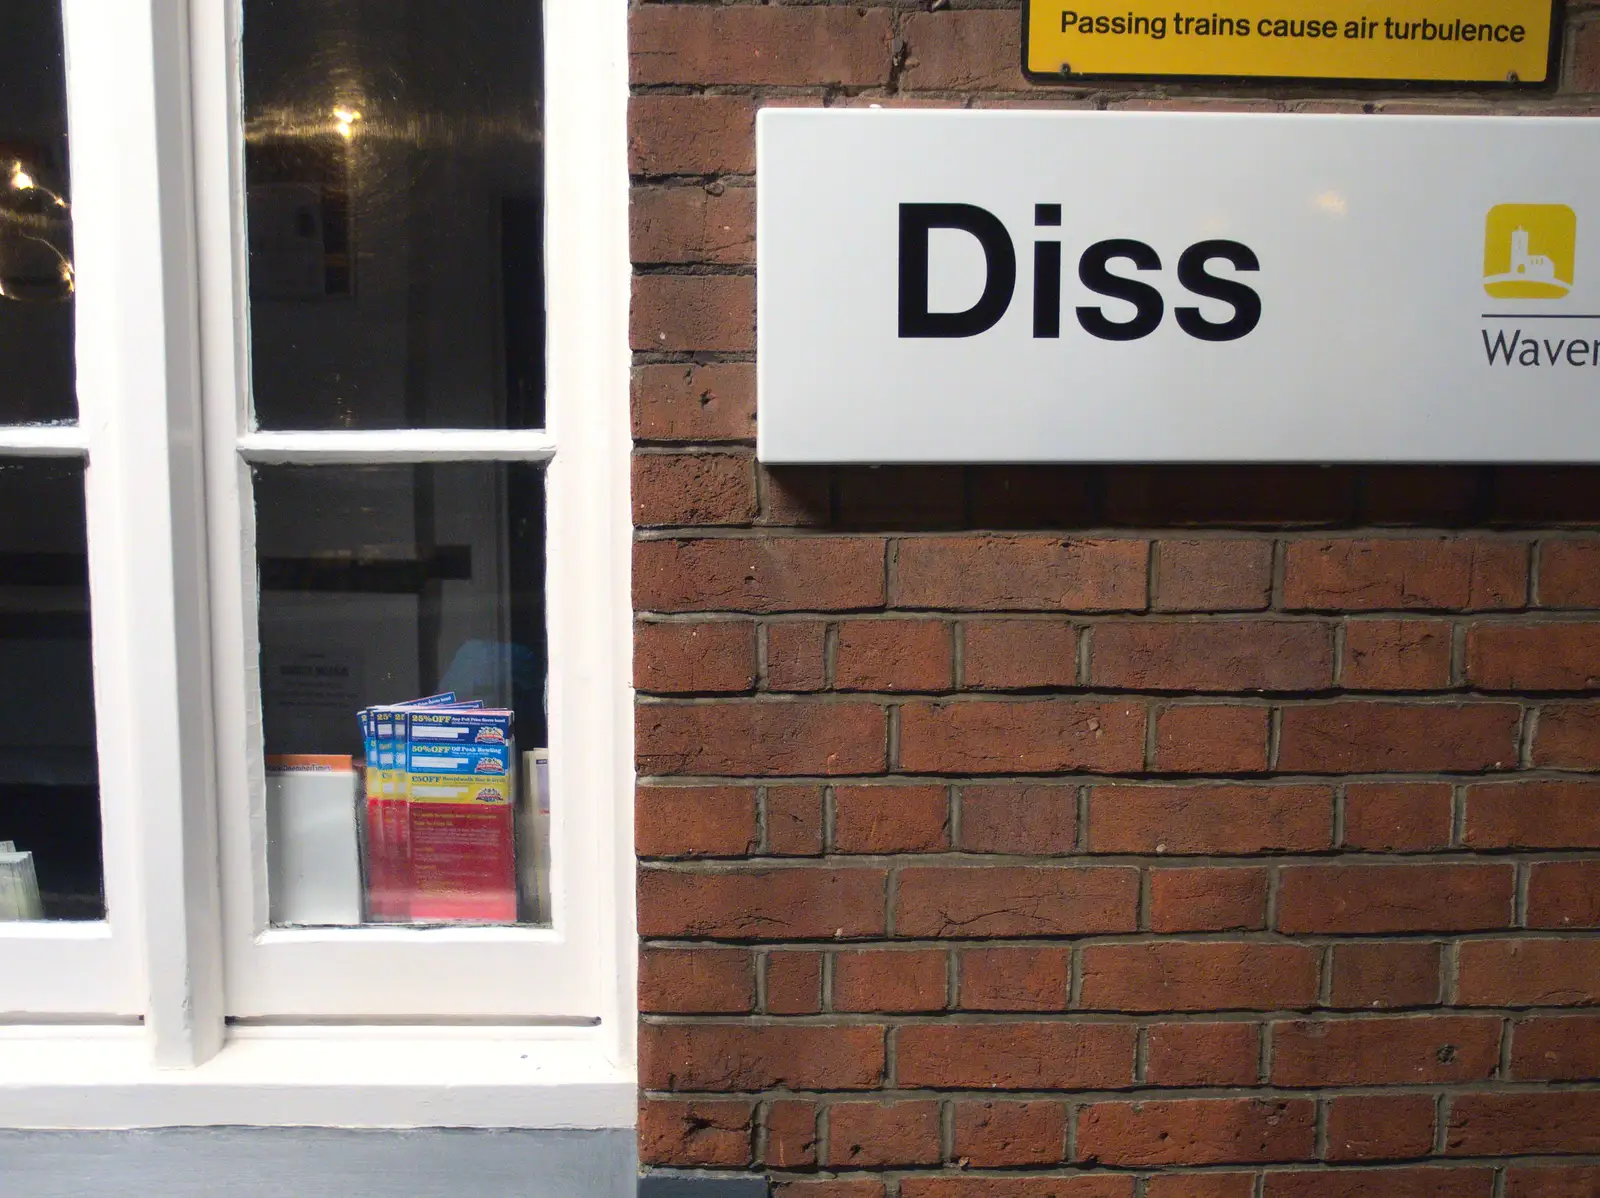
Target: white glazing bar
x=399 y=445
x=143 y=391
x=43 y=441
x=588 y=278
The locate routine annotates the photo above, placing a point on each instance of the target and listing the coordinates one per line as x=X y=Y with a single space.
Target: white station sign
x=1151 y=287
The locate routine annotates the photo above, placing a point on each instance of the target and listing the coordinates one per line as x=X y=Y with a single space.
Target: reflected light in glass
x=345 y=120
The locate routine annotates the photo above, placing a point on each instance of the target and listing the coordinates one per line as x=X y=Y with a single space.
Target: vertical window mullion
x=588 y=281
x=128 y=96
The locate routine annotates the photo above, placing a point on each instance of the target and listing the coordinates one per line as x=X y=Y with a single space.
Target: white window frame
x=127 y=400
x=183 y=1007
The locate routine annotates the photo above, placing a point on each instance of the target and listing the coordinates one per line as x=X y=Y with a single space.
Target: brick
x=1193 y=104
x=1536 y=814
x=728 y=1058
x=1083 y=1185
x=694 y=821
x=1024 y=736
x=1503 y=1124
x=1567 y=737
x=693 y=312
x=1569 y=572
x=996 y=1134
x=1545 y=494
x=1015 y=979
x=1376 y=975
x=677 y=1133
x=1212 y=655
x=794 y=983
x=683 y=402
x=758 y=574
x=965 y=901
x=1202 y=1054
x=709 y=657
x=1015 y=1056
x=795 y=655
x=763 y=738
x=893 y=655
x=794 y=821
x=1397 y=816
x=1395 y=655
x=1553 y=1181
x=1564 y=894
x=873 y=1134
x=791 y=1134
x=1563 y=1049
x=1196 y=1131
x=1201 y=1185
x=963 y=51
x=1536 y=657
x=1366 y=1052
x=795 y=495
x=762 y=904
x=1585 y=72
x=1210 y=819
x=1021 y=497
x=1421 y=496
x=1547 y=973
x=1429 y=107
x=1373 y=1127
x=1028 y=818
x=1215 y=574
x=783 y=47
x=714 y=225
x=1372 y=737
x=1211 y=738
x=696 y=981
x=920 y=102
x=830 y=1188
x=1390 y=1183
x=1231 y=496
x=918 y=498
x=891 y=819
x=1018 y=654
x=886 y=980
x=1413 y=573
x=1354 y=899
x=1021 y=573
x=692 y=135
x=1187 y=976
x=693 y=489
x=1208 y=900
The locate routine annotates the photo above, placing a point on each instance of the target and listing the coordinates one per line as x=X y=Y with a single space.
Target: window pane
x=381 y=585
x=36 y=373
x=49 y=782
x=393 y=161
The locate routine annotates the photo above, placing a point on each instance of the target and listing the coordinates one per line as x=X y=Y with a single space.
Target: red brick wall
x=1086 y=833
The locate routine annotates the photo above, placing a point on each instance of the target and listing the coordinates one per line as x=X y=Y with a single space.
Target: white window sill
x=101 y=1078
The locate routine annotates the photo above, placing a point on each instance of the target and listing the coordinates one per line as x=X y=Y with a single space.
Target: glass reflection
x=382 y=585
x=36 y=272
x=394 y=165
x=50 y=864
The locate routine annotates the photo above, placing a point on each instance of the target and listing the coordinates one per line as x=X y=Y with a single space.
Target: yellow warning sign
x=1438 y=41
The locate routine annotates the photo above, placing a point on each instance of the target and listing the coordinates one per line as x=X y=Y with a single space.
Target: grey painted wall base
x=666 y=1183
x=318 y=1163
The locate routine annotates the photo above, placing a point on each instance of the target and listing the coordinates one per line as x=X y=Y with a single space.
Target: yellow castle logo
x=1528 y=251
